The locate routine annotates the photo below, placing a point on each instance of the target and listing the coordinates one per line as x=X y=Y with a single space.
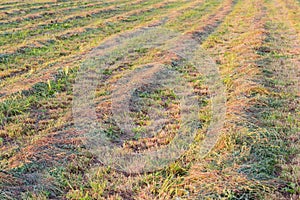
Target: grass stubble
x=256 y=47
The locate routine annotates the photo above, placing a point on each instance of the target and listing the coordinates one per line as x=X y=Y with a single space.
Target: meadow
x=253 y=46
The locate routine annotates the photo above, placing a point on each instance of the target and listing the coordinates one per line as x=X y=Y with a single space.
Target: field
x=220 y=78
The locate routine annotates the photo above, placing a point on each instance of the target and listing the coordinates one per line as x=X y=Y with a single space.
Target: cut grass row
x=95 y=35
x=62 y=44
x=72 y=181
x=18 y=11
x=232 y=45
x=255 y=158
x=256 y=143
x=69 y=21
x=23 y=101
x=39 y=17
x=278 y=112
